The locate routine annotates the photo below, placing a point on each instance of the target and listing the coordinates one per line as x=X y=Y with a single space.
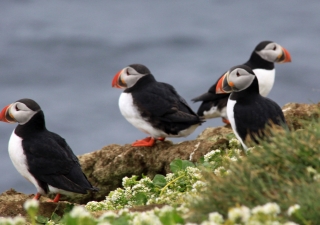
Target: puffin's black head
x=272 y=52
x=20 y=111
x=237 y=78
x=128 y=76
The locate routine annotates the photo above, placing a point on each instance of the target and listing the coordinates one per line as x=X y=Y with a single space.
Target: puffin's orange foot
x=226 y=121
x=147 y=142
x=161 y=138
x=57 y=198
x=37 y=196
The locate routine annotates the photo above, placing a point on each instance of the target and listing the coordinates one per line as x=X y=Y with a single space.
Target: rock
x=11 y=205
x=105 y=168
x=297 y=113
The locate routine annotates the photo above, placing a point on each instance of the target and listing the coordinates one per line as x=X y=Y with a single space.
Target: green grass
x=285 y=170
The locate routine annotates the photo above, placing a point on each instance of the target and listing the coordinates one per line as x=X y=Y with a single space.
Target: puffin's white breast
x=130 y=112
x=19 y=160
x=265 y=79
x=230 y=112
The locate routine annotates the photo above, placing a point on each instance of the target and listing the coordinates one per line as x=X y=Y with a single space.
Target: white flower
x=215 y=217
x=199 y=185
x=209 y=155
x=234 y=142
x=108 y=214
x=233 y=158
x=242 y=213
x=311 y=170
x=316 y=176
x=31 y=203
x=219 y=170
x=146 y=218
x=79 y=212
x=269 y=208
x=293 y=209
x=18 y=220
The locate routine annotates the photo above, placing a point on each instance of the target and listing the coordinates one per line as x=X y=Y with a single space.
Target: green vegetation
x=277 y=182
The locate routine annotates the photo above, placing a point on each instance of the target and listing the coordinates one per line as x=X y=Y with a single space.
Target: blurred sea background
x=64 y=54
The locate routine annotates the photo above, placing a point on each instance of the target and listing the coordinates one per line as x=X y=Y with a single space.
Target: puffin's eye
x=17 y=108
x=128 y=72
x=274 y=48
x=238 y=74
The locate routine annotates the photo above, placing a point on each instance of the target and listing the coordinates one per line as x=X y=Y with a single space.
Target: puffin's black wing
x=52 y=162
x=253 y=116
x=211 y=99
x=165 y=108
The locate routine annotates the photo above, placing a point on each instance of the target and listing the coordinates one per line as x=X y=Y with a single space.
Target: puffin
x=261 y=61
x=248 y=111
x=153 y=107
x=42 y=157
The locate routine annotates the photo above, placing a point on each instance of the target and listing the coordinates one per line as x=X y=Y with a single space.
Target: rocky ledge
x=106 y=167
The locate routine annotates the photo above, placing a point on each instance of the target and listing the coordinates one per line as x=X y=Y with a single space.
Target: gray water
x=64 y=54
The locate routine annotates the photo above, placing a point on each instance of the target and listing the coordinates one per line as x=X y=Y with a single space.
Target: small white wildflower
x=210 y=154
x=257 y=209
x=219 y=170
x=268 y=208
x=316 y=177
x=233 y=158
x=31 y=203
x=293 y=209
x=194 y=172
x=271 y=208
x=311 y=170
x=108 y=214
x=123 y=212
x=169 y=177
x=19 y=220
x=198 y=185
x=242 y=213
x=79 y=212
x=146 y=218
x=50 y=222
x=234 y=142
x=215 y=217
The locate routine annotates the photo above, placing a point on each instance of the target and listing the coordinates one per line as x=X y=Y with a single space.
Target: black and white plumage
x=42 y=157
x=249 y=113
x=261 y=61
x=153 y=107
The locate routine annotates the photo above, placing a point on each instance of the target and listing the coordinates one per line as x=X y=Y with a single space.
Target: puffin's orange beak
x=117 y=82
x=5 y=115
x=284 y=56
x=223 y=86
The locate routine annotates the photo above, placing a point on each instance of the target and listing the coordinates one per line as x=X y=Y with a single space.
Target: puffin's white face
x=127 y=77
x=17 y=112
x=274 y=52
x=236 y=79
x=239 y=79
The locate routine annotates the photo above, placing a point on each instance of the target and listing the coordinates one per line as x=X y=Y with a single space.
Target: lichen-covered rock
x=297 y=113
x=11 y=205
x=105 y=168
